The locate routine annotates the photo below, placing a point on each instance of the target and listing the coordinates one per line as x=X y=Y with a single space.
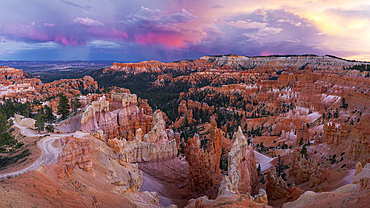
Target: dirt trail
x=50 y=150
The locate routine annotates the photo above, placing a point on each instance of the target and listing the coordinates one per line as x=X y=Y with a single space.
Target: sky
x=170 y=30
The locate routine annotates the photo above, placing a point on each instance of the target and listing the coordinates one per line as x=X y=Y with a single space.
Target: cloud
x=187 y=29
x=87 y=22
x=148 y=26
x=260 y=12
x=12 y=47
x=217 y=7
x=246 y=25
x=265 y=31
x=103 y=44
x=75 y=5
x=49 y=24
x=156 y=19
x=290 y=22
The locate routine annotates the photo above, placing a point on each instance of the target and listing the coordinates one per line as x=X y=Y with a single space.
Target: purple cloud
x=217 y=7
x=155 y=27
x=49 y=24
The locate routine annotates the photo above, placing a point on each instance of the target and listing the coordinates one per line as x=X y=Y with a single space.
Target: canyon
x=234 y=131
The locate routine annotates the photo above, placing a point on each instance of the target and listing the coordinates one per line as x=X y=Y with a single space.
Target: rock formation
x=97 y=116
x=26 y=122
x=242 y=169
x=76 y=152
x=278 y=100
x=276 y=187
x=358 y=168
x=154 y=146
x=119 y=117
x=302 y=133
x=200 y=166
x=215 y=147
x=98 y=134
x=136 y=151
x=158 y=134
x=360 y=149
x=307 y=170
x=333 y=135
x=10 y=73
x=204 y=165
x=130 y=116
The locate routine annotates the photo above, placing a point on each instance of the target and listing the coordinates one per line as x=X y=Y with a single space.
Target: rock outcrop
x=358 y=168
x=306 y=170
x=276 y=187
x=158 y=134
x=359 y=149
x=26 y=122
x=115 y=117
x=215 y=147
x=97 y=116
x=204 y=165
x=98 y=134
x=200 y=166
x=75 y=153
x=333 y=135
x=10 y=73
x=130 y=116
x=242 y=169
x=137 y=151
x=154 y=146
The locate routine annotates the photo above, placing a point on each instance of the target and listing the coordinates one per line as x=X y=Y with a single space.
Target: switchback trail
x=50 y=150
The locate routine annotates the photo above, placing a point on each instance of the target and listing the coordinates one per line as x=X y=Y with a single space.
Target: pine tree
x=246 y=127
x=301 y=141
x=40 y=122
x=75 y=103
x=259 y=169
x=49 y=113
x=344 y=104
x=63 y=107
x=304 y=151
x=7 y=141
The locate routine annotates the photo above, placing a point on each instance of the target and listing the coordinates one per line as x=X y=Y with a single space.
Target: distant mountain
x=49 y=71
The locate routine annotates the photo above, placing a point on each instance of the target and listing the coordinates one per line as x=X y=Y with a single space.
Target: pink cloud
x=167 y=40
x=64 y=41
x=155 y=27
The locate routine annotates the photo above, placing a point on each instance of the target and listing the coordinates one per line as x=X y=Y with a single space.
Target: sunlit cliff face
x=172 y=30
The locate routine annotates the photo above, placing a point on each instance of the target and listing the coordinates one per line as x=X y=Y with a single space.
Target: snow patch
x=329 y=98
x=263 y=160
x=313 y=116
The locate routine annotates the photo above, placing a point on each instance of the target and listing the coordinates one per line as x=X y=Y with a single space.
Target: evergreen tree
x=246 y=127
x=304 y=151
x=63 y=107
x=49 y=113
x=259 y=169
x=344 y=104
x=7 y=141
x=301 y=141
x=280 y=166
x=75 y=103
x=40 y=122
